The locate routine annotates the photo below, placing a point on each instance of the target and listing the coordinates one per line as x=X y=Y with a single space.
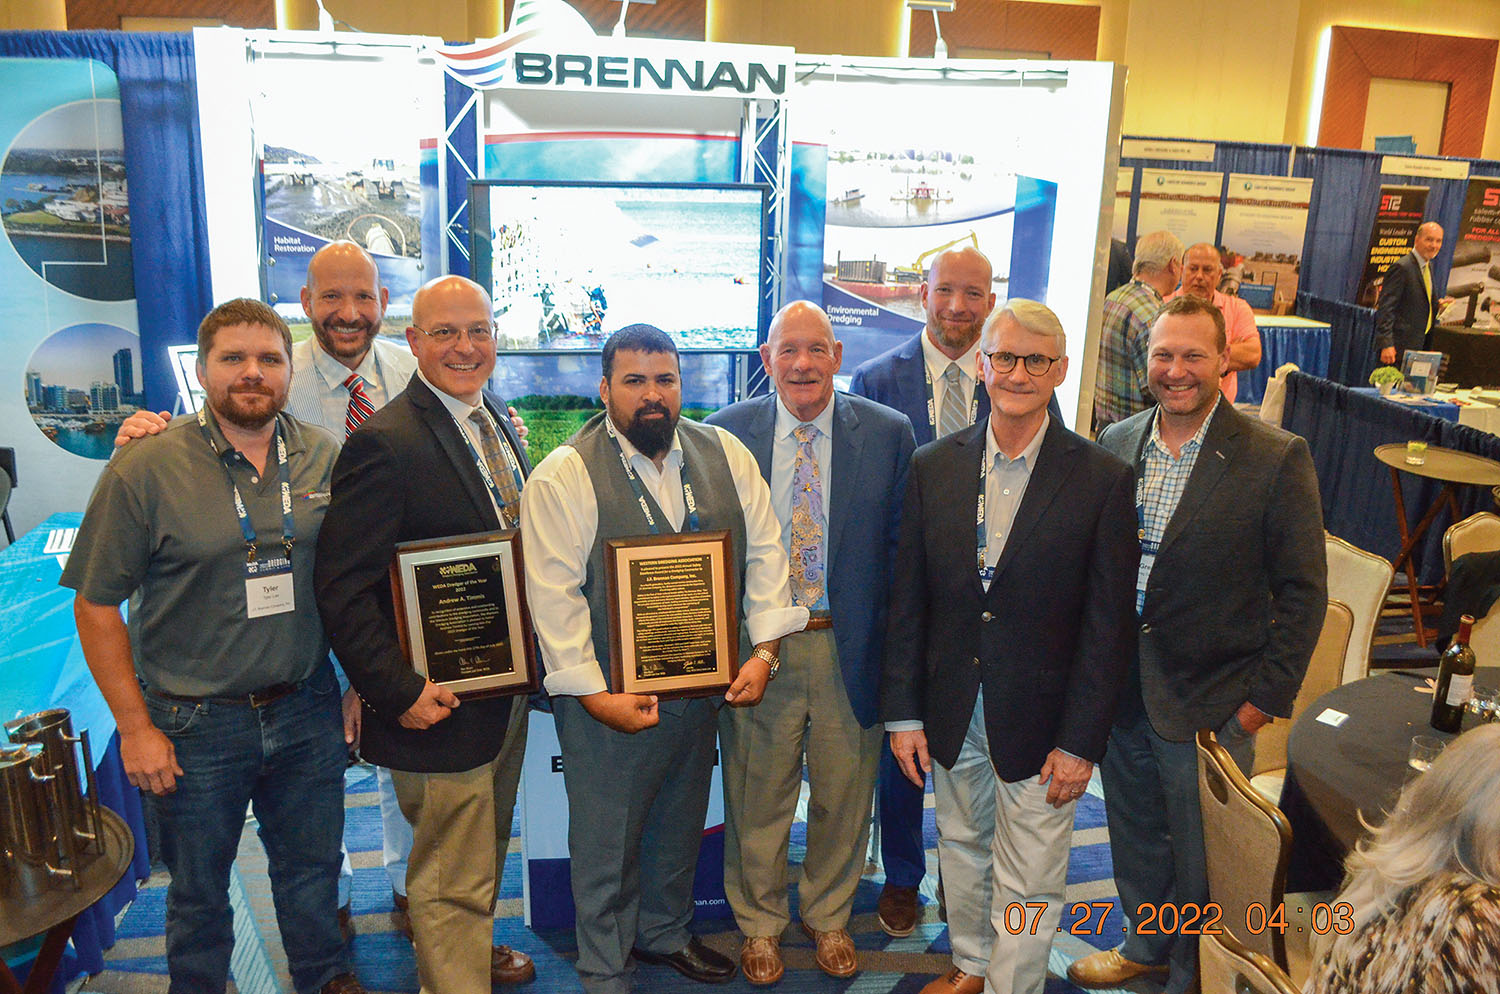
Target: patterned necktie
x=955 y=415
x=499 y=466
x=808 y=576
x=359 y=404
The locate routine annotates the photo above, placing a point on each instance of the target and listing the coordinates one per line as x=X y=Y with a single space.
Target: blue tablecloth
x=1307 y=347
x=1342 y=427
x=41 y=666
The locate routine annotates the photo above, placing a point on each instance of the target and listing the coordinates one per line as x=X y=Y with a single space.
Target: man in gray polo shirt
x=221 y=686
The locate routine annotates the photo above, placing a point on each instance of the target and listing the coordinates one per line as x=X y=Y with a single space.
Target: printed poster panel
x=370 y=177
x=1474 y=279
x=1183 y=202
x=1397 y=216
x=1265 y=221
x=71 y=342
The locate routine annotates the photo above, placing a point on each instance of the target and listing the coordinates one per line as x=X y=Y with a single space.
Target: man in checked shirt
x=1230 y=593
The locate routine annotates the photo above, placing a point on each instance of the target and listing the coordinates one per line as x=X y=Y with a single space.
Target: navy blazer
x=1405 y=307
x=872 y=448
x=1050 y=639
x=406 y=474
x=895 y=379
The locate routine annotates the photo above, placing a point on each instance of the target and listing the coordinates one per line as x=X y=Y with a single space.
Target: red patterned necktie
x=359 y=404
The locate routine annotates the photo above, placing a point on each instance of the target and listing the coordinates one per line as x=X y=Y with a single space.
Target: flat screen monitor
x=567 y=264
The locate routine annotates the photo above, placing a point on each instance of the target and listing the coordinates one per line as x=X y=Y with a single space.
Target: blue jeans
x=287 y=760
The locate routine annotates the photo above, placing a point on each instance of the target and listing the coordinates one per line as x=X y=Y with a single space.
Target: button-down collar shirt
x=784 y=459
x=560 y=520
x=1004 y=486
x=937 y=368
x=1164 y=479
x=317 y=393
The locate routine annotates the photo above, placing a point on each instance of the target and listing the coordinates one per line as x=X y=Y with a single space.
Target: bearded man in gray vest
x=637 y=770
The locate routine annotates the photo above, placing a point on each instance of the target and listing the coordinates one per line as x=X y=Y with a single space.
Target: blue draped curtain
x=1346 y=188
x=169 y=234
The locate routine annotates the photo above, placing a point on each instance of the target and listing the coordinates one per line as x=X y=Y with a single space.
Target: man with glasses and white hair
x=441 y=459
x=1008 y=640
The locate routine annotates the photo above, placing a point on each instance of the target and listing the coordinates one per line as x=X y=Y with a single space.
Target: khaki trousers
x=805 y=711
x=460 y=831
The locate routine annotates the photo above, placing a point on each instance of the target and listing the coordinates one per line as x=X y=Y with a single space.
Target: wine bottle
x=1455 y=680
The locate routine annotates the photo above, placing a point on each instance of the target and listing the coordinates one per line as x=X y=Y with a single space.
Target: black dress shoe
x=694 y=961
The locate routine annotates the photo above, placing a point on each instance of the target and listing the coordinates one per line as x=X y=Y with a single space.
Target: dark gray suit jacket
x=1236 y=599
x=406 y=474
x=872 y=447
x=1050 y=639
x=1405 y=307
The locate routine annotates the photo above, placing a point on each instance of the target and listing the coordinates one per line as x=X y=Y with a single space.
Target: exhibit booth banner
x=1474 y=279
x=330 y=177
x=72 y=328
x=1183 y=202
x=1265 y=221
x=1391 y=235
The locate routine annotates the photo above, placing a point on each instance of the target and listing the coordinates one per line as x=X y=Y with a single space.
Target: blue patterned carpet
x=383 y=959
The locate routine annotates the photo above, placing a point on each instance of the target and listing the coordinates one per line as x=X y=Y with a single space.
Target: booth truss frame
x=765 y=157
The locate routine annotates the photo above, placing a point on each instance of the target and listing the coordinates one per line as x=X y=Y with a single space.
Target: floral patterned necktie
x=808 y=575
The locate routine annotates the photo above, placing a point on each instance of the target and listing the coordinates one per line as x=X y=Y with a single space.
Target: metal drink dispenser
x=31 y=832
x=53 y=730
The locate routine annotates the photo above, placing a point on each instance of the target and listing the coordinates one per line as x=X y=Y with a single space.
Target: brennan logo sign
x=549 y=46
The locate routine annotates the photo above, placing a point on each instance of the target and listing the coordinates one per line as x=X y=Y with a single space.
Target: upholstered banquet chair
x=1323 y=672
x=1227 y=967
x=1361 y=580
x=1246 y=843
x=1477 y=533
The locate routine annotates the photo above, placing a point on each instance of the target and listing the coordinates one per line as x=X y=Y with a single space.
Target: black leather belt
x=255 y=699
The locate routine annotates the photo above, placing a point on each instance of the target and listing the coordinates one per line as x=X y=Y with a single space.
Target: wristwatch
x=772 y=660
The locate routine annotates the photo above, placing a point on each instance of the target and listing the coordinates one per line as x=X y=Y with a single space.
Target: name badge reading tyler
x=268 y=587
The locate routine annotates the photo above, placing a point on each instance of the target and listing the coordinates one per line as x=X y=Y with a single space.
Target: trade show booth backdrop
x=215 y=170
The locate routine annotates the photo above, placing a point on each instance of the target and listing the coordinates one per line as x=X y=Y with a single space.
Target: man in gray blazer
x=836 y=465
x=1231 y=595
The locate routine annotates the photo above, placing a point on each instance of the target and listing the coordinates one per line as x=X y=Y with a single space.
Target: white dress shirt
x=560 y=520
x=937 y=368
x=461 y=410
x=317 y=393
x=784 y=461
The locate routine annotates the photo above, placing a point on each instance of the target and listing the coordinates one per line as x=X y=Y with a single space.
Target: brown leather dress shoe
x=344 y=983
x=346 y=925
x=760 y=958
x=835 y=955
x=897 y=910
x=510 y=966
x=1108 y=968
x=955 y=981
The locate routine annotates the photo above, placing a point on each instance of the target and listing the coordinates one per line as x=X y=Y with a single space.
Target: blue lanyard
x=986 y=573
x=484 y=469
x=932 y=404
x=288 y=528
x=640 y=495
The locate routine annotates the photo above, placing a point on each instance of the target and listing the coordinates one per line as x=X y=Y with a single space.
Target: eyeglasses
x=478 y=334
x=1036 y=363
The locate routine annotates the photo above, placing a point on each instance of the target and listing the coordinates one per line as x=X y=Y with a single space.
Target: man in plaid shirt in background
x=1120 y=385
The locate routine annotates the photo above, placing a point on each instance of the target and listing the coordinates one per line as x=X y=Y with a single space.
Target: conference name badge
x=268 y=587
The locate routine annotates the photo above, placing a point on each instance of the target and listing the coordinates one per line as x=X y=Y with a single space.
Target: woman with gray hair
x=1425 y=887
